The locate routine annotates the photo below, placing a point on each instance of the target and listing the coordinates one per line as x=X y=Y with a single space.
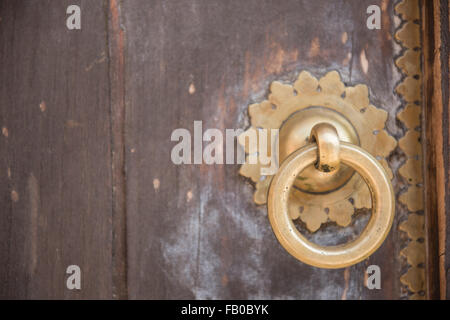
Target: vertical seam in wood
x=115 y=42
x=431 y=154
x=428 y=165
x=436 y=148
x=444 y=56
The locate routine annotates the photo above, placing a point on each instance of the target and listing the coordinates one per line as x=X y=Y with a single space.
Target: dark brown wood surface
x=198 y=234
x=55 y=168
x=86 y=175
x=436 y=32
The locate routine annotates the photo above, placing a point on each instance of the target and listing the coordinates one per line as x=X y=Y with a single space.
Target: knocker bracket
x=327 y=133
x=319 y=197
x=327 y=140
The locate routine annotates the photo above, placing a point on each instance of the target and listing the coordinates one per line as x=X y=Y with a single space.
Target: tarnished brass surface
x=409 y=89
x=327 y=139
x=294 y=133
x=295 y=110
x=347 y=254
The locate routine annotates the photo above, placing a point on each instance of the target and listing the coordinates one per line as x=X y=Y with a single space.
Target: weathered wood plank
x=194 y=231
x=116 y=44
x=437 y=147
x=55 y=168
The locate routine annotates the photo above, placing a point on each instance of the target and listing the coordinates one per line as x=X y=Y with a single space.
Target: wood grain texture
x=437 y=149
x=86 y=118
x=445 y=85
x=193 y=230
x=55 y=167
x=116 y=43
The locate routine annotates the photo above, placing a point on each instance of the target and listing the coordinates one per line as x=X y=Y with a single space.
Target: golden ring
x=339 y=256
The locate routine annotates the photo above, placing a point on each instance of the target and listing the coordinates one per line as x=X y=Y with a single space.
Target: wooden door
x=87 y=117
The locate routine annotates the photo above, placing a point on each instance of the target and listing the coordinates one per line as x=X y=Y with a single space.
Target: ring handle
x=339 y=256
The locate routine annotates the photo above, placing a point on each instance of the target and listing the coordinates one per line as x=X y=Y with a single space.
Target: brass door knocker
x=327 y=171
